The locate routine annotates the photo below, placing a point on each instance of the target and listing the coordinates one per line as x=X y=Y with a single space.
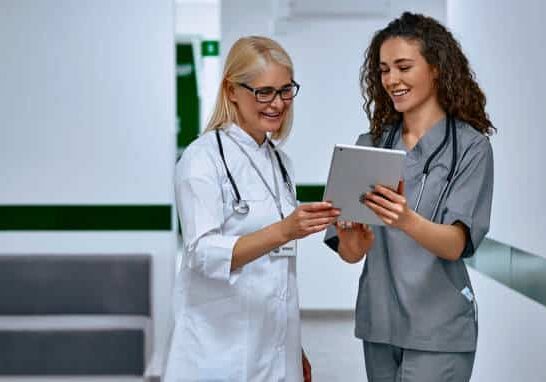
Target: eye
x=287 y=90
x=383 y=70
x=405 y=68
x=265 y=91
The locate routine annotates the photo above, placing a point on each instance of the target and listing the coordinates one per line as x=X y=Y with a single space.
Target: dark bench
x=75 y=315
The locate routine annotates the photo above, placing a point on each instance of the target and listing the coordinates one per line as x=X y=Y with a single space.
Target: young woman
x=416 y=311
x=238 y=314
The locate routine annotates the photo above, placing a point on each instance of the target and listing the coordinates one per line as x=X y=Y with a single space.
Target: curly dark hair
x=458 y=92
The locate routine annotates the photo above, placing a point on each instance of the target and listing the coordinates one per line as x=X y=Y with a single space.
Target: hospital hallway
x=100 y=99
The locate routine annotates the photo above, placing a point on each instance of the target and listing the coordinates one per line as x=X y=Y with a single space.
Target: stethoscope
x=241 y=206
x=450 y=129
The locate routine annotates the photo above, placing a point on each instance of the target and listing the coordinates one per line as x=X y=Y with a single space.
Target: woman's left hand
x=389 y=205
x=306 y=367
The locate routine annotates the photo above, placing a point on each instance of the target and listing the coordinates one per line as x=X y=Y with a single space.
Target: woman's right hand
x=307 y=219
x=355 y=240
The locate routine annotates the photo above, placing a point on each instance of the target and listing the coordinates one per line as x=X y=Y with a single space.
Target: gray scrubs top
x=407 y=296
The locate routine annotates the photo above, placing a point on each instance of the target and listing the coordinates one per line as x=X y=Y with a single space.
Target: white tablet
x=355 y=170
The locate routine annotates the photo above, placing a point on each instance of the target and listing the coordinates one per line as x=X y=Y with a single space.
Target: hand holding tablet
x=354 y=171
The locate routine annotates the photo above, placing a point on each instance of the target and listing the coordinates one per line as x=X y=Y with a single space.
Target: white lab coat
x=232 y=326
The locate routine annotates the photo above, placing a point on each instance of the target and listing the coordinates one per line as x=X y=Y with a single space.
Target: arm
x=446 y=241
x=305 y=220
x=467 y=207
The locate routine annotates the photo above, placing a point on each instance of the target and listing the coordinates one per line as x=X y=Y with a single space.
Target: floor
x=333 y=350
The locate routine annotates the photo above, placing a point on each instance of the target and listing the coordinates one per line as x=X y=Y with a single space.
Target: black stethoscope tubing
x=240 y=205
x=450 y=130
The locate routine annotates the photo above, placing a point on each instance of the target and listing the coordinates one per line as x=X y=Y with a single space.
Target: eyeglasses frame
x=277 y=91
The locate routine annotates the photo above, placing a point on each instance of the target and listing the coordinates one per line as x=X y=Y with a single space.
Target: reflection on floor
x=333 y=350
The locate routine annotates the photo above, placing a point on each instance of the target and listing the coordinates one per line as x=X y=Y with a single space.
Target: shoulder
x=473 y=144
x=365 y=139
x=472 y=141
x=201 y=156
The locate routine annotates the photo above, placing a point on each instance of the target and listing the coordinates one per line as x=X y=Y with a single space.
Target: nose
x=390 y=78
x=277 y=101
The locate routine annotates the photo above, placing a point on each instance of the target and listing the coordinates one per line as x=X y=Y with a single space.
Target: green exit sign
x=210 y=48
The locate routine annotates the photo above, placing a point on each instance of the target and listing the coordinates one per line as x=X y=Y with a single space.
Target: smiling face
x=257 y=118
x=406 y=76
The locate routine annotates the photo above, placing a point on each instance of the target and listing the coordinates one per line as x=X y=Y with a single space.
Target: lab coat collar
x=244 y=138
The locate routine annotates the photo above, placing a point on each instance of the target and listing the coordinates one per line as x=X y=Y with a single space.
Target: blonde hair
x=248 y=58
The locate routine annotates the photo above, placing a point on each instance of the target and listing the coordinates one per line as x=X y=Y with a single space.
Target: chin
x=272 y=127
x=402 y=108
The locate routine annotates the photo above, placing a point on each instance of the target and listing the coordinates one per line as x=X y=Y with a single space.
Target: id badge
x=287 y=250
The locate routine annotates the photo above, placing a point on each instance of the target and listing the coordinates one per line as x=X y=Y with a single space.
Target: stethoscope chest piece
x=241 y=207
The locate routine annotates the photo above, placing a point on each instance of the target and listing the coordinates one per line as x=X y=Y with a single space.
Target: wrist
x=411 y=224
x=282 y=231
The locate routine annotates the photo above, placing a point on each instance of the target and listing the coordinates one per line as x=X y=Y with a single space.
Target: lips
x=271 y=116
x=400 y=92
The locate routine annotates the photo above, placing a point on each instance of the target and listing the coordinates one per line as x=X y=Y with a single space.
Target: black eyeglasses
x=267 y=94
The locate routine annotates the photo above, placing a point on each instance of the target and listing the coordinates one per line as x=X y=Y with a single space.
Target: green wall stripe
x=85 y=218
x=309 y=192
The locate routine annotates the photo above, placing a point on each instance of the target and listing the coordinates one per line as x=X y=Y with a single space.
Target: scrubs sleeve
x=200 y=209
x=330 y=238
x=471 y=193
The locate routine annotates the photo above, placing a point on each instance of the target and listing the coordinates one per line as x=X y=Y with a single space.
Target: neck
x=258 y=136
x=418 y=122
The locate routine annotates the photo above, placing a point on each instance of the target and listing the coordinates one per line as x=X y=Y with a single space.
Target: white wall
x=502 y=41
x=327 y=54
x=87 y=108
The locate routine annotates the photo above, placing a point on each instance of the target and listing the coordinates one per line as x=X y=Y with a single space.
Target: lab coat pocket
x=250 y=196
x=216 y=338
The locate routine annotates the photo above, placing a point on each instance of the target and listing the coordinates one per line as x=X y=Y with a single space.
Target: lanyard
x=275 y=195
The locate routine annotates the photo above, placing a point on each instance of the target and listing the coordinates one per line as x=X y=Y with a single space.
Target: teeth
x=271 y=115
x=400 y=92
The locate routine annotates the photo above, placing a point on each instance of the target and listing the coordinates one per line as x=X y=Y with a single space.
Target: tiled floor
x=333 y=350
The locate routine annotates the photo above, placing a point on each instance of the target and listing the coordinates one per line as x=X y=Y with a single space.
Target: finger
x=316 y=206
x=324 y=213
x=346 y=225
x=315 y=229
x=319 y=221
x=366 y=228
x=342 y=224
x=382 y=212
x=390 y=194
x=401 y=187
x=385 y=203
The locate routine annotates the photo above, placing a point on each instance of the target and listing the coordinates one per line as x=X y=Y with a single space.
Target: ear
x=230 y=90
x=435 y=72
